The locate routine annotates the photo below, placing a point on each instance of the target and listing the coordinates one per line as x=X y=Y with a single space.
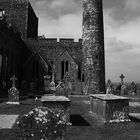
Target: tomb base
x=110 y=108
x=57 y=102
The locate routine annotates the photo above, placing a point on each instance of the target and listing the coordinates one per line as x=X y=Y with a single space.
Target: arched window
x=33 y=70
x=83 y=77
x=0 y=63
x=37 y=69
x=67 y=66
x=62 y=70
x=2 y=13
x=79 y=73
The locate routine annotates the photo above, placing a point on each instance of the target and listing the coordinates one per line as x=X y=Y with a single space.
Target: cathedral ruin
x=83 y=60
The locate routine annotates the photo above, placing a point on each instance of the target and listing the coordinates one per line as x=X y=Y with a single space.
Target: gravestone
x=13 y=93
x=57 y=102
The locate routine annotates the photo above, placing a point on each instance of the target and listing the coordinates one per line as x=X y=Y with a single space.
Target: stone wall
x=32 y=24
x=17 y=12
x=13 y=52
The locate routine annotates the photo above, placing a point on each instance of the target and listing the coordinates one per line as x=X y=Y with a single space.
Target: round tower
x=93 y=46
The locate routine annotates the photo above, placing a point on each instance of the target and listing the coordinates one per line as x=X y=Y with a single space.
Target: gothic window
x=33 y=69
x=83 y=77
x=2 y=13
x=51 y=62
x=62 y=69
x=79 y=73
x=67 y=66
x=0 y=62
x=37 y=69
x=6 y=64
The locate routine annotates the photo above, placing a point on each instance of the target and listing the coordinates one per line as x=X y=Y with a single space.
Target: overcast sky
x=63 y=18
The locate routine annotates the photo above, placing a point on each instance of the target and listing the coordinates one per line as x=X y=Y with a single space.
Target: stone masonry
x=93 y=46
x=20 y=15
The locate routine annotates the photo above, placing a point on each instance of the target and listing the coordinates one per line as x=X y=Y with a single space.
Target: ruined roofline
x=55 y=40
x=19 y=1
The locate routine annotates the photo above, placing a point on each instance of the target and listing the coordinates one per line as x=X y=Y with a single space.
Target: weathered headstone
x=133 y=88
x=13 y=93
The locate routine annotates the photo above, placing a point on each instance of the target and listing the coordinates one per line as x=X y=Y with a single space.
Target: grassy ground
x=79 y=106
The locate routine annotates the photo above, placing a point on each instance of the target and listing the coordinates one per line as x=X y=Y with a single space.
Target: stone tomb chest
x=56 y=103
x=110 y=108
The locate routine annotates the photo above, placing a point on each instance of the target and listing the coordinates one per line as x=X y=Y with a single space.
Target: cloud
x=57 y=8
x=62 y=27
x=117 y=46
x=133 y=5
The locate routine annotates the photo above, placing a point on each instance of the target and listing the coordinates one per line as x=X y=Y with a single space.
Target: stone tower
x=93 y=46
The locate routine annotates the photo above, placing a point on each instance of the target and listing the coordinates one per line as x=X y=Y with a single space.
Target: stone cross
x=53 y=72
x=13 y=79
x=52 y=84
x=122 y=77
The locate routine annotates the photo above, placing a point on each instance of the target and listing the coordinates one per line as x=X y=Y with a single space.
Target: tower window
x=83 y=77
x=67 y=66
x=62 y=70
x=2 y=13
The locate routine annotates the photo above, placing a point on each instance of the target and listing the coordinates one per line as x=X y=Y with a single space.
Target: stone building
x=20 y=15
x=15 y=27
x=13 y=53
x=65 y=54
x=30 y=57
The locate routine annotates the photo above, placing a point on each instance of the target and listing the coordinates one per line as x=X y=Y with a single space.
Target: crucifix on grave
x=13 y=79
x=122 y=77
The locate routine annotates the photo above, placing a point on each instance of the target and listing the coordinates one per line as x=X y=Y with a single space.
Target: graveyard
x=58 y=90
x=84 y=125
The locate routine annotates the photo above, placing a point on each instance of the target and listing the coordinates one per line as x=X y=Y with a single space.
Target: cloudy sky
x=63 y=18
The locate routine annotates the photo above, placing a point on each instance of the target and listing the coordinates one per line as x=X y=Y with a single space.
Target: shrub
x=43 y=124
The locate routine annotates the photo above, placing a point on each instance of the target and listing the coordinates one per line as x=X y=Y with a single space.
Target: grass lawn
x=85 y=126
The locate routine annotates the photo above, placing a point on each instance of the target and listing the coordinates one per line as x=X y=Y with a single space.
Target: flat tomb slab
x=52 y=101
x=57 y=102
x=7 y=121
x=110 y=108
x=53 y=98
x=108 y=97
x=135 y=115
